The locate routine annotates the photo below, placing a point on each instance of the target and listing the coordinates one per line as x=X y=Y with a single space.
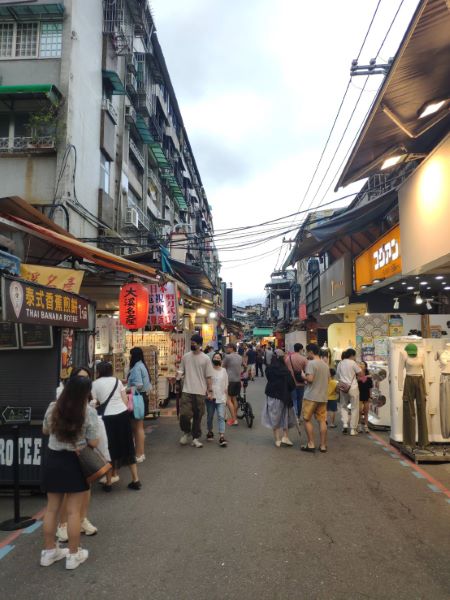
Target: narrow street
x=253 y=521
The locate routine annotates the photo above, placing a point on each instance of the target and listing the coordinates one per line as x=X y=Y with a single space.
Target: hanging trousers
x=414 y=398
x=444 y=404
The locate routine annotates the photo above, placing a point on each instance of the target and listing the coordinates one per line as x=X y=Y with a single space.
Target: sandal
x=323 y=449
x=307 y=449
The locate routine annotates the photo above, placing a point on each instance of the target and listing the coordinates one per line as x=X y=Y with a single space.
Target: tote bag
x=138 y=406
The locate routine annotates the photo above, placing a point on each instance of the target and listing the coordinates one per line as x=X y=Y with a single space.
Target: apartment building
x=91 y=131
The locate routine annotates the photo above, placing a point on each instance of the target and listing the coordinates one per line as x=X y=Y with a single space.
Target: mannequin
x=413 y=387
x=444 y=390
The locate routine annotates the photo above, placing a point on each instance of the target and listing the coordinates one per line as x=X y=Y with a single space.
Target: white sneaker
x=75 y=560
x=61 y=533
x=87 y=528
x=184 y=439
x=278 y=443
x=140 y=459
x=366 y=428
x=48 y=557
x=360 y=429
x=196 y=443
x=115 y=479
x=353 y=432
x=286 y=441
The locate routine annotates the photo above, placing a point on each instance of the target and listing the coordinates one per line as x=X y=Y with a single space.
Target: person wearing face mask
x=218 y=401
x=196 y=370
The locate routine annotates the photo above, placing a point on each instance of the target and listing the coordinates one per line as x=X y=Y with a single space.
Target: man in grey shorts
x=232 y=362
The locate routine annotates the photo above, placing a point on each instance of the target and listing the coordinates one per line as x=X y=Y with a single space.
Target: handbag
x=93 y=464
x=138 y=406
x=344 y=387
x=298 y=377
x=101 y=409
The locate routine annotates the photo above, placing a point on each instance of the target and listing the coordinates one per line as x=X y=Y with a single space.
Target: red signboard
x=302 y=314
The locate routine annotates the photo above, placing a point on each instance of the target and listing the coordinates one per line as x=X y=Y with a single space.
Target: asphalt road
x=255 y=522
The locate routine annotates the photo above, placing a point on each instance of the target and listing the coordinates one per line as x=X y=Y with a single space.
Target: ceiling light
x=367 y=314
x=417 y=277
x=396 y=304
x=439 y=277
x=341 y=305
x=212 y=315
x=430 y=108
x=444 y=283
x=447 y=287
x=376 y=281
x=391 y=288
x=429 y=287
x=424 y=283
x=418 y=298
x=392 y=161
x=201 y=311
x=363 y=287
x=403 y=282
x=429 y=305
x=410 y=287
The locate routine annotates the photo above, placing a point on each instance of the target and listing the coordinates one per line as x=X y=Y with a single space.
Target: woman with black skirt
x=112 y=405
x=71 y=424
x=139 y=378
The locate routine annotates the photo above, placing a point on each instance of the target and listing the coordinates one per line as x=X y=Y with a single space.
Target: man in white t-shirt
x=196 y=369
x=348 y=373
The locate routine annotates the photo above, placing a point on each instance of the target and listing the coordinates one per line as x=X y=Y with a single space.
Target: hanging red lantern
x=133 y=306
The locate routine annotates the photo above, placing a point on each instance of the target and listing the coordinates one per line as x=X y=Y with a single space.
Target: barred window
x=51 y=40
x=26 y=39
x=6 y=39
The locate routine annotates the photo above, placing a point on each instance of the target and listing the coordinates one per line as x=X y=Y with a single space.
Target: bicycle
x=245 y=410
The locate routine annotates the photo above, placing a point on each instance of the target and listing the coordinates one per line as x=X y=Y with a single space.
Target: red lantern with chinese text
x=133 y=306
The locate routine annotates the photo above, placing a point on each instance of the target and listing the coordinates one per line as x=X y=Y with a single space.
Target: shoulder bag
x=344 y=387
x=101 y=409
x=138 y=406
x=93 y=464
x=298 y=377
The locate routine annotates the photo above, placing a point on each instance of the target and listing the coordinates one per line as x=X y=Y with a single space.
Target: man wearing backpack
x=297 y=363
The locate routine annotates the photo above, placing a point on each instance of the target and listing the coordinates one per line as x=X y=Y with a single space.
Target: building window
x=105 y=173
x=30 y=40
x=51 y=40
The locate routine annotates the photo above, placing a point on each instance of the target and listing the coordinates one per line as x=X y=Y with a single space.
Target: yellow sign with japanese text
x=68 y=280
x=380 y=261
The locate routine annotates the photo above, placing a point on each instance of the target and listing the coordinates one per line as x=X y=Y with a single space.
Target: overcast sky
x=259 y=83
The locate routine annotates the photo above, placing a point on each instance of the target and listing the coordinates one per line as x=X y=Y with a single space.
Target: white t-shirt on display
x=101 y=389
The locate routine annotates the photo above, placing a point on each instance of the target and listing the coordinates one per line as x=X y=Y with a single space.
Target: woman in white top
x=219 y=400
x=112 y=402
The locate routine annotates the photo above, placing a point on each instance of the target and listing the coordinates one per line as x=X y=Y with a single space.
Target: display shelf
x=436 y=453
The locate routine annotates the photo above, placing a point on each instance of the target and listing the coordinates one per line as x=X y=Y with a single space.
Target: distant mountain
x=250 y=301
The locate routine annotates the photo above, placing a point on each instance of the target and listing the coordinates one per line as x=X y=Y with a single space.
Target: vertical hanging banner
x=162 y=306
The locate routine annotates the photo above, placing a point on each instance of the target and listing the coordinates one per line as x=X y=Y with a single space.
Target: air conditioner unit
x=132 y=217
x=130 y=114
x=132 y=82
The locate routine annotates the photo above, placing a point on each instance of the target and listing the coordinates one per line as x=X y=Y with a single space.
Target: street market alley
x=253 y=521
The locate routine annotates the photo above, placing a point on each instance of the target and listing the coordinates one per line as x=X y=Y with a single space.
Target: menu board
x=35 y=336
x=8 y=336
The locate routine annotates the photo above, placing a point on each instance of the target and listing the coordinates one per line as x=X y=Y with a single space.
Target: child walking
x=332 y=399
x=218 y=403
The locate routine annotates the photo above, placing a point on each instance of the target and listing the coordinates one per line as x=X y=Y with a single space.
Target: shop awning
x=344 y=223
x=419 y=75
x=58 y=247
x=42 y=90
x=143 y=130
x=116 y=83
x=36 y=11
x=262 y=332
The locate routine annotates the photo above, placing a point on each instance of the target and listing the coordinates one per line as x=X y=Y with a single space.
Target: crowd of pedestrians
x=99 y=413
x=96 y=414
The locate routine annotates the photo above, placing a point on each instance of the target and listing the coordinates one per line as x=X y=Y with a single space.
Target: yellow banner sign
x=381 y=260
x=68 y=280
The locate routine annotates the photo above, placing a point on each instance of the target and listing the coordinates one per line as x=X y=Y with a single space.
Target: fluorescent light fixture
x=376 y=281
x=430 y=108
x=403 y=282
x=391 y=287
x=429 y=305
x=341 y=306
x=396 y=304
x=363 y=287
x=392 y=161
x=424 y=283
x=201 y=311
x=439 y=277
x=212 y=315
x=410 y=287
x=447 y=287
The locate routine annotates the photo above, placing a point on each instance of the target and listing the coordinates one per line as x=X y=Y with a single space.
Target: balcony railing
x=137 y=153
x=26 y=144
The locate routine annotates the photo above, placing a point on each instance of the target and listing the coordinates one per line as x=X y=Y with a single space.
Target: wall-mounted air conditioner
x=130 y=114
x=132 y=217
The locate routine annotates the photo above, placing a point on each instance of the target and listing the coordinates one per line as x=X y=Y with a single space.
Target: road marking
x=418 y=475
x=5 y=550
x=13 y=536
x=33 y=527
x=434 y=488
x=437 y=484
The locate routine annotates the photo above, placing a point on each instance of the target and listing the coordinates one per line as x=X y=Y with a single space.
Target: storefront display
x=443 y=359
